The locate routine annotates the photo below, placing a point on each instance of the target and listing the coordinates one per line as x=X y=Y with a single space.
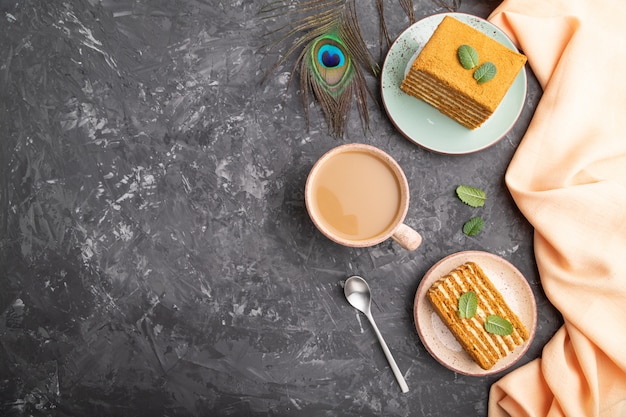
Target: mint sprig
x=468 y=56
x=485 y=72
x=497 y=325
x=472 y=196
x=473 y=226
x=468 y=305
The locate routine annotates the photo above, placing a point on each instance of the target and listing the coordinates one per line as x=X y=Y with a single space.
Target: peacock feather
x=332 y=58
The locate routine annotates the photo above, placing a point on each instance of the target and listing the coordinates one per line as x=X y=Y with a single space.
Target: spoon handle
x=394 y=367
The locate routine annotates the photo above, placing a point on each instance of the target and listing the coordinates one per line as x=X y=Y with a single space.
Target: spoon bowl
x=359 y=295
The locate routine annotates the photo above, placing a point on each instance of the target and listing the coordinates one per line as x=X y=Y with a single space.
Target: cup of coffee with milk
x=358 y=196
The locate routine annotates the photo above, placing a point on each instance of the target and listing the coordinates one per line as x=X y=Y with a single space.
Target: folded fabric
x=568 y=178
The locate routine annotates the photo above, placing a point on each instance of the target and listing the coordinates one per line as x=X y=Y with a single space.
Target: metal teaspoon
x=359 y=296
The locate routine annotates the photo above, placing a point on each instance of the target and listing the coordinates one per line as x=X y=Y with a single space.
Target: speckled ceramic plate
x=440 y=342
x=425 y=125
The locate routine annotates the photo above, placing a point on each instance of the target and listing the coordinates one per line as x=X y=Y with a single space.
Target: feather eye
x=332 y=63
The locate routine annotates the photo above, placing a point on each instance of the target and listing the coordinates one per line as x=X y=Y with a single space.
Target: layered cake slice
x=485 y=348
x=438 y=77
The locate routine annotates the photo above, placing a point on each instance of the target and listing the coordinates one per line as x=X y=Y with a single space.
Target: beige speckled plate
x=436 y=337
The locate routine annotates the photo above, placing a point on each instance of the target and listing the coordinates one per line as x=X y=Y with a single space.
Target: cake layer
x=453 y=104
x=485 y=348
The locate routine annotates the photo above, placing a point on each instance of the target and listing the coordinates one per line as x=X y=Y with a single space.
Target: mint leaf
x=468 y=57
x=468 y=304
x=473 y=226
x=497 y=325
x=471 y=196
x=485 y=72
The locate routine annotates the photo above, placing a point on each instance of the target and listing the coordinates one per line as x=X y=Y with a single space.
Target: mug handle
x=408 y=238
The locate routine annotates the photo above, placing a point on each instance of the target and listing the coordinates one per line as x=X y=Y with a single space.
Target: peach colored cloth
x=568 y=178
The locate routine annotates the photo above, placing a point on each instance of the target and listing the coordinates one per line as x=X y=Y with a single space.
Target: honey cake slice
x=485 y=348
x=438 y=78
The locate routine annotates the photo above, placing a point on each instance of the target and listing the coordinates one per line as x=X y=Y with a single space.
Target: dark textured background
x=156 y=258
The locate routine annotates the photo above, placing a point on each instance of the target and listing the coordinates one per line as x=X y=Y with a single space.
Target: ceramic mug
x=358 y=196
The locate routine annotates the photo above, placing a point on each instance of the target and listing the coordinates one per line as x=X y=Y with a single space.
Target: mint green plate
x=423 y=124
